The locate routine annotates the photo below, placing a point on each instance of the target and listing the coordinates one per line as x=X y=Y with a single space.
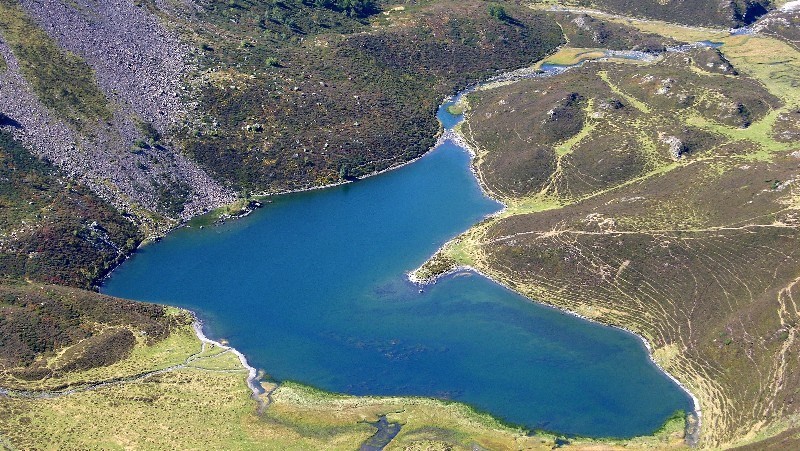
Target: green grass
x=173 y=350
x=566 y=147
x=772 y=62
x=233 y=209
x=219 y=359
x=456 y=109
x=460 y=252
x=568 y=56
x=759 y=133
x=533 y=204
x=641 y=106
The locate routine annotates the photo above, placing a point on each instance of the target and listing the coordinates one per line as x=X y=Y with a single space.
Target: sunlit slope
x=663 y=198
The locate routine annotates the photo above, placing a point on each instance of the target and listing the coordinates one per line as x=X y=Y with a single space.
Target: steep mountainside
x=264 y=96
x=139 y=102
x=317 y=107
x=94 y=94
x=53 y=229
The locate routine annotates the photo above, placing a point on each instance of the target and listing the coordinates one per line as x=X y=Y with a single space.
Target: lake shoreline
x=452 y=272
x=457 y=137
x=253 y=382
x=441 y=137
x=444 y=135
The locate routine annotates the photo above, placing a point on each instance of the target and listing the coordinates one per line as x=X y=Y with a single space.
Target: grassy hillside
x=602 y=125
x=734 y=13
x=584 y=31
x=293 y=103
x=783 y=25
x=662 y=198
x=56 y=337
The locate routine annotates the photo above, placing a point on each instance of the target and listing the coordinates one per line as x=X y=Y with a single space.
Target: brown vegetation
x=40 y=321
x=55 y=230
x=651 y=197
x=342 y=106
x=734 y=13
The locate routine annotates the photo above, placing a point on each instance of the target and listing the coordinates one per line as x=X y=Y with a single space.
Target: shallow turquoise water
x=311 y=288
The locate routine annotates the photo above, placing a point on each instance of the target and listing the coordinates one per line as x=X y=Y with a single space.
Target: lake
x=312 y=288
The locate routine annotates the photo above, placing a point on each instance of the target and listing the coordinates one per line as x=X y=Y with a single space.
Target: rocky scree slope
x=265 y=96
x=95 y=89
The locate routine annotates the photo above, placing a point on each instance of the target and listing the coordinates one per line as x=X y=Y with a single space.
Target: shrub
x=498 y=12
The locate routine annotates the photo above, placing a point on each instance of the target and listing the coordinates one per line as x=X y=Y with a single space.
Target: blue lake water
x=312 y=288
x=713 y=44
